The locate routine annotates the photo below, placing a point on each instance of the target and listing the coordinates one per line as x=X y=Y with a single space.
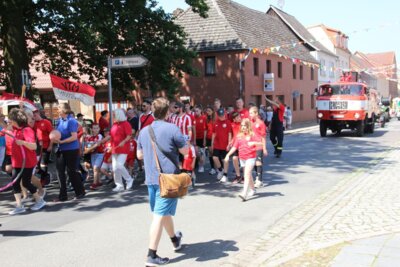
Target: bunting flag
x=68 y=90
x=8 y=99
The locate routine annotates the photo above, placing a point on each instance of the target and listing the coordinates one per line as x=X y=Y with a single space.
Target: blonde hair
x=160 y=108
x=119 y=114
x=249 y=129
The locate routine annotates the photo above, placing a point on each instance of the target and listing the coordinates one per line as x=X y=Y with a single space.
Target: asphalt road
x=109 y=229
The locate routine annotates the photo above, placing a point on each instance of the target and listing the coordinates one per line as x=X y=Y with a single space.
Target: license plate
x=337 y=105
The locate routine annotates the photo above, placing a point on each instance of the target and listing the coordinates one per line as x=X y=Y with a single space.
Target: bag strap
x=156 y=157
x=153 y=138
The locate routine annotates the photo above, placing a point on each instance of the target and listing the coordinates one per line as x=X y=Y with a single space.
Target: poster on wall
x=269 y=82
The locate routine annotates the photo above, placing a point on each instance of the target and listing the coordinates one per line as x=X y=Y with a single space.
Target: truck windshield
x=341 y=89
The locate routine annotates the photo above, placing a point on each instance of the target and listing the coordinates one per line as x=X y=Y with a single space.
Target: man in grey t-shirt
x=172 y=142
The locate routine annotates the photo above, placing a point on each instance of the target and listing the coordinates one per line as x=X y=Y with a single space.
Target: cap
x=79 y=115
x=221 y=112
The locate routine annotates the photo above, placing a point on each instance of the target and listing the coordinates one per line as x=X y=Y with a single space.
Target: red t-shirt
x=145 y=120
x=201 y=126
x=103 y=123
x=222 y=129
x=246 y=151
x=244 y=113
x=132 y=150
x=119 y=131
x=94 y=139
x=235 y=129
x=183 y=122
x=259 y=128
x=188 y=159
x=44 y=128
x=210 y=129
x=9 y=141
x=27 y=134
x=107 y=152
x=281 y=111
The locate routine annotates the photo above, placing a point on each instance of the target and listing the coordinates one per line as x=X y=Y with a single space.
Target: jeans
x=67 y=160
x=118 y=166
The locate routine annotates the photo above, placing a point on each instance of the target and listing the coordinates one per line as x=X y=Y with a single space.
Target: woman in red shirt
x=23 y=148
x=120 y=134
x=209 y=132
x=247 y=143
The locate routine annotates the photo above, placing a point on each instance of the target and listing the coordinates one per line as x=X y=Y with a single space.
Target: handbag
x=171 y=185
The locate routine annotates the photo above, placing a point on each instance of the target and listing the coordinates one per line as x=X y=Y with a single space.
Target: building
x=248 y=53
x=336 y=42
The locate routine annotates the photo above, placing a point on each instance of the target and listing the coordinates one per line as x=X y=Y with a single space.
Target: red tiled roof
x=382 y=59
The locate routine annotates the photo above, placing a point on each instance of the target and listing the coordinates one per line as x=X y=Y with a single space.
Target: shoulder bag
x=171 y=185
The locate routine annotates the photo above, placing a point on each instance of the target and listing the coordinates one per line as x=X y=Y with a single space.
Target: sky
x=372 y=26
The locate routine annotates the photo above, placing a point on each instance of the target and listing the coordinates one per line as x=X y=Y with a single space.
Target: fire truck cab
x=347 y=105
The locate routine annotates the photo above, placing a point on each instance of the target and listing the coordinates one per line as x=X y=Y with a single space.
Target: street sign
x=135 y=61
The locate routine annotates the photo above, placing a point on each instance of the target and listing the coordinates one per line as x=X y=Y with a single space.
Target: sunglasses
x=176 y=107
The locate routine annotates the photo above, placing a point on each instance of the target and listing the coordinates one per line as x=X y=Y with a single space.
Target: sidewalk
x=353 y=224
x=302 y=126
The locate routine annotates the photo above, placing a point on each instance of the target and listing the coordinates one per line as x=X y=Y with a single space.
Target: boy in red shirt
x=130 y=159
x=188 y=163
x=221 y=138
x=106 y=166
x=96 y=150
x=236 y=120
x=200 y=123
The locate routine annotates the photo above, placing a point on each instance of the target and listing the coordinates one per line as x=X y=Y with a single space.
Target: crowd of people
x=100 y=153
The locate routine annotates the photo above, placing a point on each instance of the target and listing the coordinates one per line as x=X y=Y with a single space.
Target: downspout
x=241 y=77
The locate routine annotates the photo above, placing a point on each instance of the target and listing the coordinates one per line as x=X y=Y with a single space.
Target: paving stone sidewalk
x=364 y=204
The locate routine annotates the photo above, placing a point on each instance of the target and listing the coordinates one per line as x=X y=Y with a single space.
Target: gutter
x=241 y=72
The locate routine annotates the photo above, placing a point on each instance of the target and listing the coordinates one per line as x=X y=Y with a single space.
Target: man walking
x=276 y=134
x=170 y=139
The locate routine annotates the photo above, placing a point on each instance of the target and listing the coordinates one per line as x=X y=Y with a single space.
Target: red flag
x=8 y=99
x=68 y=90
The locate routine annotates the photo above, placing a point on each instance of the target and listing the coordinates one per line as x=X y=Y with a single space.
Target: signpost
x=135 y=61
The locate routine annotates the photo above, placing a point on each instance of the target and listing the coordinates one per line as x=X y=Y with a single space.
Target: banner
x=8 y=99
x=269 y=85
x=69 y=90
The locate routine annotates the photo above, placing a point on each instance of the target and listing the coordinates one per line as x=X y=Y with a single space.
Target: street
x=109 y=229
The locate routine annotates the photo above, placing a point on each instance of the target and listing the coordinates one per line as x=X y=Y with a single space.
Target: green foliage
x=71 y=38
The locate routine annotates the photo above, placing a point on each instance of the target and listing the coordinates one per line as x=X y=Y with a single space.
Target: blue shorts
x=161 y=206
x=97 y=159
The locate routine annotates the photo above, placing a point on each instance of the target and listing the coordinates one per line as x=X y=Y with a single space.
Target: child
x=189 y=161
x=106 y=166
x=85 y=145
x=130 y=160
x=96 y=148
x=247 y=143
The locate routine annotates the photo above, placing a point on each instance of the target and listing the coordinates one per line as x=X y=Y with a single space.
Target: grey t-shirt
x=170 y=139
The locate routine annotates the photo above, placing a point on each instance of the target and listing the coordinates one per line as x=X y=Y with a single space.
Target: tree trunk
x=14 y=45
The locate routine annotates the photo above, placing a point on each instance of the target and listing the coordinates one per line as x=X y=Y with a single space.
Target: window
x=210 y=66
x=294 y=71
x=301 y=72
x=312 y=101
x=279 y=69
x=294 y=103
x=322 y=69
x=255 y=66
x=312 y=73
x=331 y=70
x=301 y=102
x=268 y=66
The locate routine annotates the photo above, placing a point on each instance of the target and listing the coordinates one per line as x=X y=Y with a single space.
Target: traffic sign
x=135 y=61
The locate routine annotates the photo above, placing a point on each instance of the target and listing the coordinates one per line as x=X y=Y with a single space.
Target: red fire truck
x=347 y=105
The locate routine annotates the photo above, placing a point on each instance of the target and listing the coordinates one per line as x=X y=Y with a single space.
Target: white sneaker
x=17 y=210
x=26 y=199
x=258 y=184
x=212 y=172
x=251 y=193
x=38 y=205
x=224 y=179
x=118 y=189
x=201 y=169
x=243 y=197
x=220 y=174
x=129 y=184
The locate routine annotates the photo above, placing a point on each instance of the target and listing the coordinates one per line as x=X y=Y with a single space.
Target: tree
x=71 y=38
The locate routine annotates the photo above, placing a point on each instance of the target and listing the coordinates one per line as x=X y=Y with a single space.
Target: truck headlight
x=320 y=115
x=356 y=115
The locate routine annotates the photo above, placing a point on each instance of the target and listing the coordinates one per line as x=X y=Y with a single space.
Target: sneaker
x=258 y=184
x=237 y=179
x=201 y=169
x=156 y=261
x=178 y=243
x=212 y=172
x=26 y=199
x=220 y=174
x=17 y=210
x=251 y=193
x=129 y=184
x=224 y=179
x=118 y=189
x=94 y=186
x=243 y=197
x=38 y=205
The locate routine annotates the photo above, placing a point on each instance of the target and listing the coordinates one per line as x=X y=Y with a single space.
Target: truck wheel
x=372 y=125
x=360 y=128
x=322 y=128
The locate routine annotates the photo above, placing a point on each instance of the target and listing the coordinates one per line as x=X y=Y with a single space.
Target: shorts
x=235 y=154
x=45 y=157
x=200 y=143
x=87 y=158
x=219 y=153
x=96 y=159
x=208 y=142
x=248 y=162
x=6 y=161
x=259 y=155
x=106 y=166
x=161 y=206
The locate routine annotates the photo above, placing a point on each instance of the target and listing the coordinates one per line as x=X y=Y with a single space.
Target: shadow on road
x=25 y=233
x=206 y=251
